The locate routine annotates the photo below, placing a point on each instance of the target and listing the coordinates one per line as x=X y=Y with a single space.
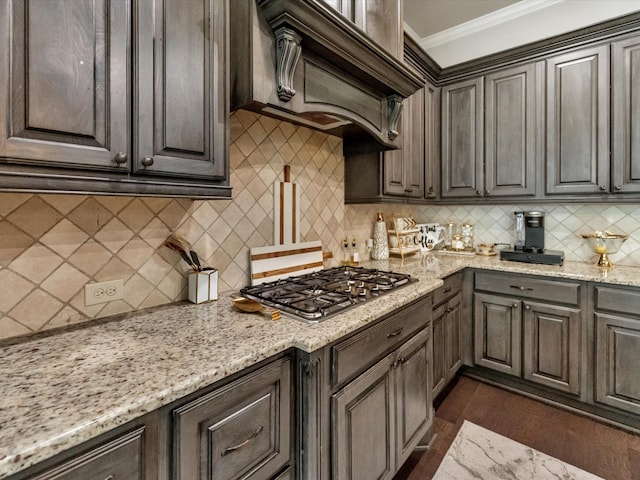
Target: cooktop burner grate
x=317 y=296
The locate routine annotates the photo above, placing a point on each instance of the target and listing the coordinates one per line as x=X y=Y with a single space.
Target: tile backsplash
x=52 y=245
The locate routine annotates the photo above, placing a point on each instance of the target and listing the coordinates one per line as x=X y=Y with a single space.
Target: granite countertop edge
x=62 y=390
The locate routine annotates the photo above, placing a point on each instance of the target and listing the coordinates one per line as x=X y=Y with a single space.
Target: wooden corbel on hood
x=303 y=61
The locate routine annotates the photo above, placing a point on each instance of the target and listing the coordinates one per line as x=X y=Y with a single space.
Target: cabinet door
x=462 y=139
x=404 y=168
x=363 y=426
x=121 y=458
x=181 y=88
x=64 y=75
x=552 y=346
x=453 y=336
x=242 y=430
x=413 y=394
x=578 y=122
x=497 y=333
x=625 y=174
x=439 y=370
x=617 y=373
x=510 y=136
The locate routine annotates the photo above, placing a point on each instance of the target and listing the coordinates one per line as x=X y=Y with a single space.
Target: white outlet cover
x=103 y=292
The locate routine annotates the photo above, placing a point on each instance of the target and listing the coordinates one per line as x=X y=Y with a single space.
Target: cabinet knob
x=147 y=161
x=618 y=187
x=603 y=187
x=478 y=192
x=527 y=307
x=120 y=158
x=487 y=192
x=515 y=305
x=430 y=191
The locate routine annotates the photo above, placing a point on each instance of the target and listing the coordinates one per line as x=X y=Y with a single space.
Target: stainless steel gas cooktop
x=317 y=296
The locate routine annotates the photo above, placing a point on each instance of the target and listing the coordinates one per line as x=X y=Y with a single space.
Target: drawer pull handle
x=520 y=287
x=110 y=477
x=447 y=290
x=229 y=450
x=395 y=333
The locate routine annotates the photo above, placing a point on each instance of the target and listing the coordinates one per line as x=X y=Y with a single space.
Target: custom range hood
x=303 y=61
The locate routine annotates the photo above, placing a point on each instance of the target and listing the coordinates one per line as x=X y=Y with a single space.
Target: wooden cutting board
x=286 y=210
x=280 y=261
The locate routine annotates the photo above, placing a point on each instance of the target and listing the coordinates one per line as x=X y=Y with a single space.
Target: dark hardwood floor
x=598 y=448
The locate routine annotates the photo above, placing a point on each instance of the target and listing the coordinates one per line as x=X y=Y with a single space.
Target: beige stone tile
x=63 y=203
x=114 y=308
x=235 y=277
x=190 y=230
x=65 y=282
x=77 y=302
x=90 y=216
x=90 y=257
x=9 y=328
x=35 y=216
x=154 y=299
x=114 y=204
x=220 y=230
x=205 y=246
x=155 y=233
x=245 y=118
x=136 y=252
x=173 y=286
x=14 y=242
x=114 y=235
x=257 y=132
x=155 y=269
x=233 y=244
x=232 y=214
x=245 y=144
x=36 y=263
x=65 y=317
x=64 y=238
x=136 y=290
x=156 y=205
x=10 y=201
x=136 y=215
x=114 y=269
x=204 y=214
x=15 y=289
x=36 y=309
x=173 y=214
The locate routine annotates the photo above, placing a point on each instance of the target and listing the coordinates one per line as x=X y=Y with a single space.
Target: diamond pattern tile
x=54 y=244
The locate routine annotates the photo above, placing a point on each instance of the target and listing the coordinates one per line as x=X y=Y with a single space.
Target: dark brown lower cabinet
x=617 y=345
x=381 y=416
x=242 y=430
x=539 y=341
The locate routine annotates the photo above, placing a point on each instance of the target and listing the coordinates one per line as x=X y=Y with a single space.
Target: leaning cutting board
x=281 y=261
x=286 y=210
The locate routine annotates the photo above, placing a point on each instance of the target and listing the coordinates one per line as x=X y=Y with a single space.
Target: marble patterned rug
x=478 y=453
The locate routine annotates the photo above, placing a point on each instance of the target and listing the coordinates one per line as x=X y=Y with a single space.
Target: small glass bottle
x=346 y=257
x=355 y=255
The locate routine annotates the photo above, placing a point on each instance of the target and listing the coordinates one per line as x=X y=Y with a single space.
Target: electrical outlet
x=103 y=292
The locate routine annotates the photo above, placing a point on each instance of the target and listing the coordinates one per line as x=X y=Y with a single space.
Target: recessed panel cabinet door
x=462 y=139
x=625 y=129
x=497 y=328
x=578 y=122
x=180 y=97
x=617 y=372
x=64 y=79
x=510 y=136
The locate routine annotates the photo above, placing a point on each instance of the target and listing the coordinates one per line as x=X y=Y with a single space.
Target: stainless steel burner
x=317 y=296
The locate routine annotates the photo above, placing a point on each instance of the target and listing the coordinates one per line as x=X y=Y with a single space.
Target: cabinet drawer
x=358 y=352
x=523 y=286
x=242 y=430
x=119 y=459
x=452 y=285
x=617 y=300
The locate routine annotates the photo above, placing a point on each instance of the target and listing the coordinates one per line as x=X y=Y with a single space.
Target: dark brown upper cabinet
x=577 y=126
x=510 y=132
x=625 y=130
x=115 y=97
x=462 y=139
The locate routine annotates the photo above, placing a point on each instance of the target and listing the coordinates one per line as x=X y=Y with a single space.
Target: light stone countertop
x=61 y=390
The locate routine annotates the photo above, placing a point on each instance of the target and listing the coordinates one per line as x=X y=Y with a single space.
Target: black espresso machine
x=529 y=241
